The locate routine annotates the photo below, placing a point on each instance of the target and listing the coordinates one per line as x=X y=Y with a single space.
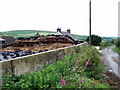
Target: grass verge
x=104 y=45
x=117 y=49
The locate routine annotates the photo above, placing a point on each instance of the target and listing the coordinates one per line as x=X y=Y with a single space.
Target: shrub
x=117 y=42
x=95 y=40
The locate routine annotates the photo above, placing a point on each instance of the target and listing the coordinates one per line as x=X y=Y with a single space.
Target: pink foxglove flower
x=103 y=60
x=74 y=69
x=76 y=62
x=63 y=82
x=87 y=63
x=82 y=80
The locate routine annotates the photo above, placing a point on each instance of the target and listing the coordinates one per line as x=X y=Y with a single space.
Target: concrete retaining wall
x=36 y=62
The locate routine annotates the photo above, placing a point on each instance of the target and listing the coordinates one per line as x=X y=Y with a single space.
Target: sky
x=66 y=14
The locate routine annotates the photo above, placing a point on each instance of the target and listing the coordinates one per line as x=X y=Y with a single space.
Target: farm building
x=2 y=42
x=67 y=34
x=6 y=40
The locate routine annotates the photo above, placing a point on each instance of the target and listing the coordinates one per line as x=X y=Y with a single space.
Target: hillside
x=29 y=33
x=26 y=33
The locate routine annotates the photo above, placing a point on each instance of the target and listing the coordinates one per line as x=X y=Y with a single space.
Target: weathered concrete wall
x=36 y=62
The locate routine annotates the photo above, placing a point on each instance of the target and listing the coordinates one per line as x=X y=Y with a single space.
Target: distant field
x=26 y=33
x=80 y=37
x=29 y=33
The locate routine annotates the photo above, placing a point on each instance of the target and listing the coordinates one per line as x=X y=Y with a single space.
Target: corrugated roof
x=8 y=39
x=66 y=33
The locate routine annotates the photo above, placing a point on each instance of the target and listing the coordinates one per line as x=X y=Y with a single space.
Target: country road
x=111 y=60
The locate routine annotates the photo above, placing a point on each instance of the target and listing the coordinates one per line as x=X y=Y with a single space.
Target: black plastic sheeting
x=6 y=55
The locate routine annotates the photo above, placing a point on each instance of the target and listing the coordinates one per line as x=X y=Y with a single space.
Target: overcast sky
x=50 y=14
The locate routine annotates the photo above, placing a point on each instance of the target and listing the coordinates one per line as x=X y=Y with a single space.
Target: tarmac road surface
x=112 y=60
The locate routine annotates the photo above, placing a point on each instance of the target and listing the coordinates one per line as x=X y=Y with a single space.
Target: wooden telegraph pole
x=90 y=22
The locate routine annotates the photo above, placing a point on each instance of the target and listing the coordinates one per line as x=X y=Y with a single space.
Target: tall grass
x=104 y=45
x=117 y=49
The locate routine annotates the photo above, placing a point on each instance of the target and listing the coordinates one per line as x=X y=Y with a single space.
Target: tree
x=117 y=42
x=113 y=41
x=37 y=34
x=95 y=40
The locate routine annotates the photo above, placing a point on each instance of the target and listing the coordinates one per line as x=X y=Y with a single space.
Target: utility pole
x=90 y=22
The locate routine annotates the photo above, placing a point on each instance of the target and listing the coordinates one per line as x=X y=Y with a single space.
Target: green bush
x=95 y=40
x=117 y=42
